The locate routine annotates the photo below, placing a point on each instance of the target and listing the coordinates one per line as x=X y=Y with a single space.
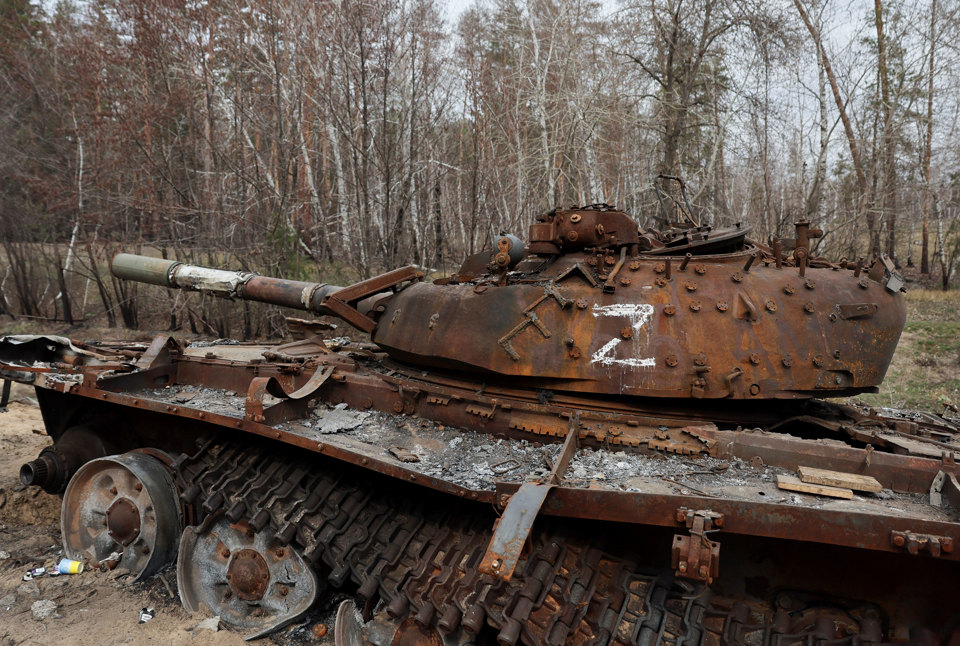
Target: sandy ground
x=93 y=608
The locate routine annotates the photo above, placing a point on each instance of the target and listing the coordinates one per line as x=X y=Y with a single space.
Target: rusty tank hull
x=464 y=484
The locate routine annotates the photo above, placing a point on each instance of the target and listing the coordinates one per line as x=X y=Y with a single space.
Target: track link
x=419 y=554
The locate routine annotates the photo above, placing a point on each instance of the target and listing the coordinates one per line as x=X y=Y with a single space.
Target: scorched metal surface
x=576 y=440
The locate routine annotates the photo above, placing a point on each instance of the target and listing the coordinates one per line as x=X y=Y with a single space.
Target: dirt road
x=92 y=608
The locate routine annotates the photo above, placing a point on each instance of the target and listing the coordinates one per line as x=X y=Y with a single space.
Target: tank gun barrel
x=320 y=298
x=219 y=282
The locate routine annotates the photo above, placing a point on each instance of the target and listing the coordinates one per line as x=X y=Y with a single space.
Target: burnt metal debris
x=572 y=440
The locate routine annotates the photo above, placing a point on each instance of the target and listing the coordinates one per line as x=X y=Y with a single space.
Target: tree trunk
x=928 y=197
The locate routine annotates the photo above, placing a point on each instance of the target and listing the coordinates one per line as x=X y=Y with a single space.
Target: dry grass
x=925 y=372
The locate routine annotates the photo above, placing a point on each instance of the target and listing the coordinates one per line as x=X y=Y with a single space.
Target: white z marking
x=638 y=315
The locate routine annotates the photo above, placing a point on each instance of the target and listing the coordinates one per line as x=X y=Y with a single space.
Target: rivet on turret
x=569 y=342
x=635 y=265
x=661 y=282
x=626 y=332
x=809 y=284
x=592 y=261
x=610 y=260
x=700 y=359
x=695 y=306
x=736 y=277
x=755 y=358
x=788 y=289
x=671 y=360
x=863 y=283
x=582 y=303
x=700 y=269
x=809 y=307
x=771 y=306
x=624 y=281
x=669 y=310
x=787 y=362
x=690 y=285
x=659 y=268
x=722 y=306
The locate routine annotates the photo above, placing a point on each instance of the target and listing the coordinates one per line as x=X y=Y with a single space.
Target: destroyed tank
x=602 y=435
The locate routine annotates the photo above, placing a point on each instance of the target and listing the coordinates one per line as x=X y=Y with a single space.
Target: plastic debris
x=69 y=566
x=146 y=614
x=34 y=573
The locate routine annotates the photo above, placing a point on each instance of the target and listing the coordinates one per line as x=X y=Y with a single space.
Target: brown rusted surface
x=604 y=384
x=689 y=337
x=248 y=574
x=123 y=521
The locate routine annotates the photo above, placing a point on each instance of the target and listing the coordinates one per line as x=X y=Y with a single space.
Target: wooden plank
x=791 y=483
x=853 y=481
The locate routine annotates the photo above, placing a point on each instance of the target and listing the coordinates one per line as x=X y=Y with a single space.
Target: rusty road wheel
x=381 y=630
x=250 y=581
x=125 y=504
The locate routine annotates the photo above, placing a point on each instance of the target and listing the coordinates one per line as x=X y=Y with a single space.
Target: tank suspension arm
x=319 y=298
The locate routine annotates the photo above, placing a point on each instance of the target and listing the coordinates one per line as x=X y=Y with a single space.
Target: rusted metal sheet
x=512 y=529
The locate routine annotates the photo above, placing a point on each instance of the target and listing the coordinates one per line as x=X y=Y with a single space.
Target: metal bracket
x=261 y=386
x=161 y=351
x=530 y=318
x=695 y=556
x=341 y=303
x=945 y=488
x=916 y=543
x=510 y=532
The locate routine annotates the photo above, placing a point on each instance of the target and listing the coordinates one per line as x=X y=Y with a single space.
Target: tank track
x=419 y=555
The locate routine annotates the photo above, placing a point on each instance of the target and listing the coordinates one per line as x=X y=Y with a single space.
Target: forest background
x=334 y=139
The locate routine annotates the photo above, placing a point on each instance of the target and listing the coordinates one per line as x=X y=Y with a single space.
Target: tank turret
x=592 y=304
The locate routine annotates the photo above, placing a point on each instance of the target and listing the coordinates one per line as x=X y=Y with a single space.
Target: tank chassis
x=490 y=470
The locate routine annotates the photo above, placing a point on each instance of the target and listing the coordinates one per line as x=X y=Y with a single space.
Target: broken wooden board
x=792 y=483
x=811 y=475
